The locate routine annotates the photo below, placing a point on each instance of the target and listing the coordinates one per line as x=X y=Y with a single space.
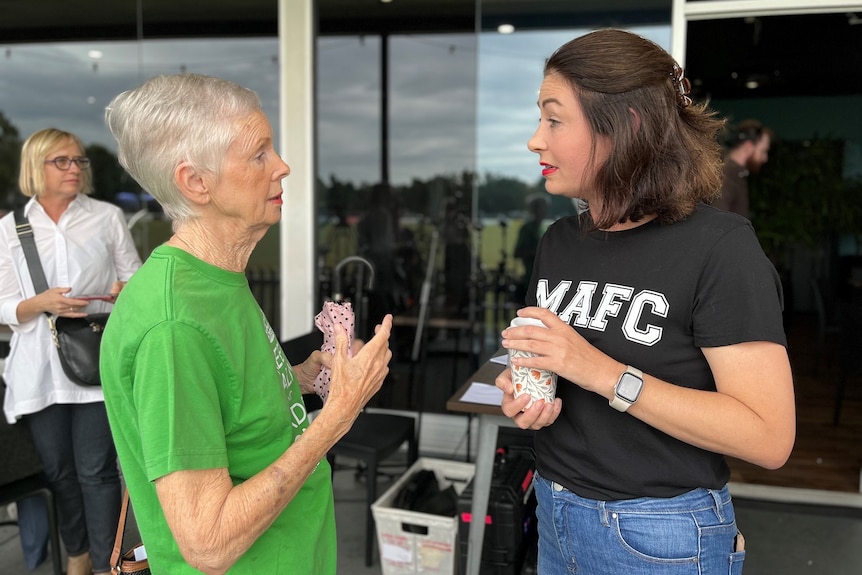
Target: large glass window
x=67 y=86
x=348 y=109
x=348 y=143
x=396 y=146
x=806 y=201
x=396 y=133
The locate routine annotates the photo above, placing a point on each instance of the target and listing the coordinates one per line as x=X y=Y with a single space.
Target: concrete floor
x=350 y=519
x=791 y=539
x=781 y=538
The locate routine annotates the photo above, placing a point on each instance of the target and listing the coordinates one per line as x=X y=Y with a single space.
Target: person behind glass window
x=224 y=469
x=85 y=248
x=528 y=239
x=747 y=150
x=664 y=322
x=377 y=235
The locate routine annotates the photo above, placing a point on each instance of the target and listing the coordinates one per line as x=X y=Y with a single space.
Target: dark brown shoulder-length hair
x=665 y=155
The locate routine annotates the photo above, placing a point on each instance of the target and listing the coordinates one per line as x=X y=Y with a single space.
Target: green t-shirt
x=195 y=378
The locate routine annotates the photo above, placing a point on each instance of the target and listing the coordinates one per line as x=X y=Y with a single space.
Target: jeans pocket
x=658 y=537
x=737 y=558
x=717 y=553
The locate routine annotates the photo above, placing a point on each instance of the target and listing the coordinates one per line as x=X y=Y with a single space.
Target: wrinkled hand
x=307 y=371
x=540 y=414
x=356 y=379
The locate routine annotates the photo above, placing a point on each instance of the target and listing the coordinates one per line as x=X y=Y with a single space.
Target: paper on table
x=483 y=393
x=501 y=359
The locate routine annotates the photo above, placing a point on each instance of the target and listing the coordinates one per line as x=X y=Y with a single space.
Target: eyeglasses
x=64 y=163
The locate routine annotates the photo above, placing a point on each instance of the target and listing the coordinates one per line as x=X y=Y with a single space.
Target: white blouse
x=87 y=250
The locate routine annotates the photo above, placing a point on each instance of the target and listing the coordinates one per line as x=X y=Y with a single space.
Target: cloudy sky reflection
x=456 y=102
x=60 y=85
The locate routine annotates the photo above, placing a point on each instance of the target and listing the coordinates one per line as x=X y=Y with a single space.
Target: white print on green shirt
x=297 y=409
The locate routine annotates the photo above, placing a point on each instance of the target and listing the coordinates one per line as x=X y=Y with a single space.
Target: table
x=414 y=319
x=490 y=418
x=458 y=324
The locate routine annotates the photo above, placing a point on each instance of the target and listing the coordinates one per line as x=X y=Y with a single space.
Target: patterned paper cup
x=537 y=383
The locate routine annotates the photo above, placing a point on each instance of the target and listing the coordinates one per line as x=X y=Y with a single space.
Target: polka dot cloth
x=331 y=314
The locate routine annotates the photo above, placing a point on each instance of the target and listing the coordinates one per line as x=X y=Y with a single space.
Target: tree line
x=498 y=196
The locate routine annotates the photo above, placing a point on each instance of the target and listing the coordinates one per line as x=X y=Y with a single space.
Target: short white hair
x=172 y=119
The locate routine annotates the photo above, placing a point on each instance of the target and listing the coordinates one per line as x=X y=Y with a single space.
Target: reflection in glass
x=348 y=144
x=68 y=84
x=806 y=201
x=430 y=109
x=63 y=85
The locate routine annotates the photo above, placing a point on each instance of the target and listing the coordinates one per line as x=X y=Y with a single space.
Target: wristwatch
x=628 y=388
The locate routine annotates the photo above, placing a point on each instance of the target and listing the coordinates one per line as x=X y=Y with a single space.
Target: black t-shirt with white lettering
x=650 y=297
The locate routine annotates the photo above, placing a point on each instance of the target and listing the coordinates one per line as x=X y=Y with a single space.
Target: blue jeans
x=691 y=534
x=33 y=530
x=77 y=452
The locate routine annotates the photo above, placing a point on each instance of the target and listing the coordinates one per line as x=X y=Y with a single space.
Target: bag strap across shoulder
x=31 y=254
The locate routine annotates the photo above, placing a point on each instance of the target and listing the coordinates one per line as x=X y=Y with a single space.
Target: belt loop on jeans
x=719 y=506
x=603 y=514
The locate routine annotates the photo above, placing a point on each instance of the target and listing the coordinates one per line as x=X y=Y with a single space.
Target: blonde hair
x=36 y=150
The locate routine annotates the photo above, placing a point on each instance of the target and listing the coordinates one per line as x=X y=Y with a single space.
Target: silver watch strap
x=618 y=402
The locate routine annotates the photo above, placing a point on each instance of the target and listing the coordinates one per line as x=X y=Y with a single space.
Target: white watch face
x=629 y=387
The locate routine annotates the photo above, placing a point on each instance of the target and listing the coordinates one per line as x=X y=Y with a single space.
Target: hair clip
x=682 y=85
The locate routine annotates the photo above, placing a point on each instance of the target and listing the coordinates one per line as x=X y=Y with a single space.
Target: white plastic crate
x=435 y=548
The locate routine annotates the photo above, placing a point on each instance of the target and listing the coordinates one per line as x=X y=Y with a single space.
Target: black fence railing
x=265 y=286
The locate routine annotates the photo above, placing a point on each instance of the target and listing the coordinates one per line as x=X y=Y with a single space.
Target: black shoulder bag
x=77 y=339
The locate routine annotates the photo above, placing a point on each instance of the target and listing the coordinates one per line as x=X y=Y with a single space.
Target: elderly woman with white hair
x=224 y=469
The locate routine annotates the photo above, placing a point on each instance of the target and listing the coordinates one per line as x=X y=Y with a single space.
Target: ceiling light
x=385 y=1
x=95 y=54
x=505 y=28
x=752 y=84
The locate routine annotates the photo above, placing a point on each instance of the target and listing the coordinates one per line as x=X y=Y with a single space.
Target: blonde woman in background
x=85 y=248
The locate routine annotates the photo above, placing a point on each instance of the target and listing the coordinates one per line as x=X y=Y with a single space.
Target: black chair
x=21 y=476
x=828 y=318
x=849 y=356
x=374 y=437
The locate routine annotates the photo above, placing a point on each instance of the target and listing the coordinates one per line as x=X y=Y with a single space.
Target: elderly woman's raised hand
x=308 y=370
x=356 y=379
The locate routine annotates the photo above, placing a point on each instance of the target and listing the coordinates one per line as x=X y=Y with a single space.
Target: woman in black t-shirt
x=657 y=304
